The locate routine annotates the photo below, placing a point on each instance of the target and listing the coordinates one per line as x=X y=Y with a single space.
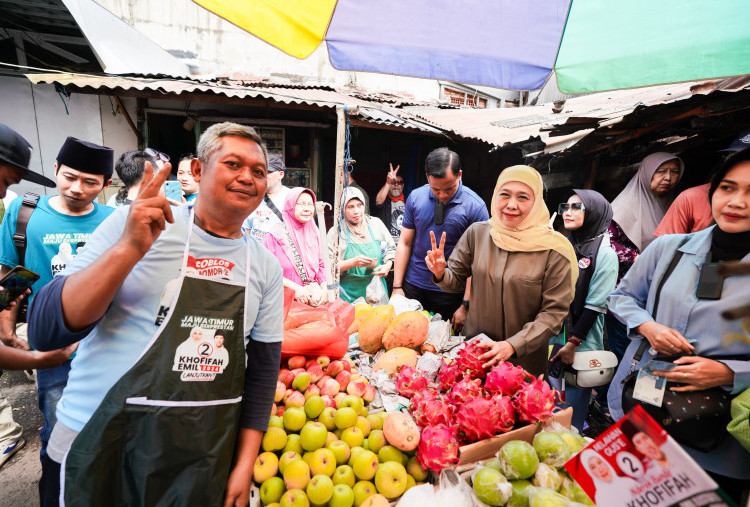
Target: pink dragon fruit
x=469 y=363
x=410 y=381
x=507 y=414
x=438 y=447
x=421 y=397
x=505 y=379
x=535 y=400
x=464 y=390
x=478 y=418
x=432 y=411
x=449 y=375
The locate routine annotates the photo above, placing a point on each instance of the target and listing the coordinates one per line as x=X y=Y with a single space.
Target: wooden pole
x=340 y=174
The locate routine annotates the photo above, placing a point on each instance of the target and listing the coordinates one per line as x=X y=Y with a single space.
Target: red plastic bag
x=320 y=331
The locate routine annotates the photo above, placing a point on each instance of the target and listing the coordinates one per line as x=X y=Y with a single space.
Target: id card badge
x=649 y=388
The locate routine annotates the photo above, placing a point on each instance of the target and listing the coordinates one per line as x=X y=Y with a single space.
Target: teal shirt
x=602 y=284
x=190 y=198
x=53 y=238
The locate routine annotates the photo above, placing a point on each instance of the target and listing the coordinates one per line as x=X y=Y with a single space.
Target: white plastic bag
x=403 y=304
x=375 y=293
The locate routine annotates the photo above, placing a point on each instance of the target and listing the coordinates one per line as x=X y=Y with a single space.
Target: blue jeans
x=51 y=383
x=575 y=397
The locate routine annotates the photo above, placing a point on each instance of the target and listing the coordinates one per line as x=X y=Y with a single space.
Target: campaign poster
x=635 y=463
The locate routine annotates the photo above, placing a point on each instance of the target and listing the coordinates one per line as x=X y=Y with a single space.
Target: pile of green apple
x=323 y=447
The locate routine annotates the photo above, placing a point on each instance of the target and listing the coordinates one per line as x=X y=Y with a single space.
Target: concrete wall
x=39 y=114
x=222 y=48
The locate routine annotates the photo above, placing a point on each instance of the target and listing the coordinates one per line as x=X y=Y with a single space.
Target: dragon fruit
x=421 y=397
x=478 y=419
x=507 y=413
x=432 y=410
x=505 y=379
x=438 y=447
x=534 y=401
x=410 y=381
x=463 y=390
x=449 y=375
x=469 y=363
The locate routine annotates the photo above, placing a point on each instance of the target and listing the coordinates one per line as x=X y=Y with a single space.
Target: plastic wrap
x=320 y=331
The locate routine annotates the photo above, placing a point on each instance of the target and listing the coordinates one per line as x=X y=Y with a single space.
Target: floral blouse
x=625 y=249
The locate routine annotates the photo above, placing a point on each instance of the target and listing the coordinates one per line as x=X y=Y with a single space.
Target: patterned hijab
x=637 y=209
x=533 y=234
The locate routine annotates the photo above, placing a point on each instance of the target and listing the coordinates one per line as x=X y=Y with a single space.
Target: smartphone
x=710 y=282
x=554 y=368
x=15 y=283
x=173 y=190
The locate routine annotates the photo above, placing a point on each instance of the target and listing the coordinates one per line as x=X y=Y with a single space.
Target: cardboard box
x=487 y=448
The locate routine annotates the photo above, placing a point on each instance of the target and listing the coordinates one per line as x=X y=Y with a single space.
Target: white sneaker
x=30 y=374
x=11 y=449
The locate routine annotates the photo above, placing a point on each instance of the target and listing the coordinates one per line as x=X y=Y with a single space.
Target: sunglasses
x=398 y=182
x=157 y=154
x=573 y=206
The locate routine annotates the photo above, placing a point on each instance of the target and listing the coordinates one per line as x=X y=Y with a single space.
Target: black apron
x=165 y=432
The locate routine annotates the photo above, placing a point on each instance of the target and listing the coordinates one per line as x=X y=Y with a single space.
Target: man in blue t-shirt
x=56 y=232
x=444 y=205
x=15 y=155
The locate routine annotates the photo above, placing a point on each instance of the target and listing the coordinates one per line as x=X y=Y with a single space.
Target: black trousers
x=49 y=484
x=436 y=301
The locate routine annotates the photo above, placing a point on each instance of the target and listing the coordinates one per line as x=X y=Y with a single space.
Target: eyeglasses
x=573 y=206
x=398 y=182
x=157 y=154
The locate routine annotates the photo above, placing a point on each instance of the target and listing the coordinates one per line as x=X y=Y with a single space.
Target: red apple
x=320 y=383
x=297 y=371
x=343 y=379
x=370 y=391
x=334 y=368
x=286 y=377
x=347 y=366
x=338 y=399
x=296 y=399
x=316 y=372
x=357 y=388
x=331 y=387
x=280 y=410
x=273 y=409
x=309 y=362
x=286 y=395
x=297 y=362
x=323 y=361
x=280 y=392
x=329 y=401
x=312 y=391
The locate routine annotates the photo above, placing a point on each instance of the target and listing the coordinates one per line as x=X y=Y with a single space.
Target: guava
x=492 y=487
x=518 y=459
x=551 y=448
x=540 y=497
x=547 y=477
x=519 y=498
x=574 y=441
x=573 y=491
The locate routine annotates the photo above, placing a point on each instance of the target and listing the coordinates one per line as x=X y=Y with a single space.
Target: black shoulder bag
x=696 y=419
x=30 y=201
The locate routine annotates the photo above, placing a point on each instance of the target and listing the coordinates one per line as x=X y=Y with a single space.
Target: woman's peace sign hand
x=149 y=212
x=435 y=258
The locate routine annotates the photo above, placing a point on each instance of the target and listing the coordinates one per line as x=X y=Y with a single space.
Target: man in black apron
x=195 y=365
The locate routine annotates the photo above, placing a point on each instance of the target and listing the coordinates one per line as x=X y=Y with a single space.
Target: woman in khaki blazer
x=523 y=273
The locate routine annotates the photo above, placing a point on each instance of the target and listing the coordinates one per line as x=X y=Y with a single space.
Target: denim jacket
x=697 y=320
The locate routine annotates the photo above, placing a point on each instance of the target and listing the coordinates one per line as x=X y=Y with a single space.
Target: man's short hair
x=440 y=160
x=130 y=166
x=187 y=156
x=210 y=141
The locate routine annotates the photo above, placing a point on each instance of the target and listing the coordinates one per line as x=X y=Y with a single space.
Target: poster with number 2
x=636 y=463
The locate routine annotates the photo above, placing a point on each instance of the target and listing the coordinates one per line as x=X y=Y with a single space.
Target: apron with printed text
x=165 y=432
x=354 y=281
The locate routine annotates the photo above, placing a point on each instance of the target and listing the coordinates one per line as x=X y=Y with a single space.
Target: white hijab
x=617 y=486
x=637 y=209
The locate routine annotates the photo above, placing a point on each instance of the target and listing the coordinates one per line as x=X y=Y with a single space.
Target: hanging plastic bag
x=375 y=293
x=320 y=331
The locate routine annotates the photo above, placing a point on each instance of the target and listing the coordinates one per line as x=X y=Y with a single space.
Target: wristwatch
x=465 y=303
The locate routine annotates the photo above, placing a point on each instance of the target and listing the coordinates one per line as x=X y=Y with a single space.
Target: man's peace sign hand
x=392 y=174
x=435 y=258
x=149 y=212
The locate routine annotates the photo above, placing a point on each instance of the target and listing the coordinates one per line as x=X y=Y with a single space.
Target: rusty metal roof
x=324 y=97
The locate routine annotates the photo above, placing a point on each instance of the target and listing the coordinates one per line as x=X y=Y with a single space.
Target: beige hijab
x=533 y=234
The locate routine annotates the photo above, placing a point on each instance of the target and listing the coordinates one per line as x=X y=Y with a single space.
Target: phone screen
x=15 y=283
x=173 y=190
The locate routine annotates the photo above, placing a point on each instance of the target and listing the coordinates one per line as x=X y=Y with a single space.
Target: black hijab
x=586 y=241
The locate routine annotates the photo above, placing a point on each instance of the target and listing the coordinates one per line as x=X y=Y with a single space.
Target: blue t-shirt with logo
x=53 y=239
